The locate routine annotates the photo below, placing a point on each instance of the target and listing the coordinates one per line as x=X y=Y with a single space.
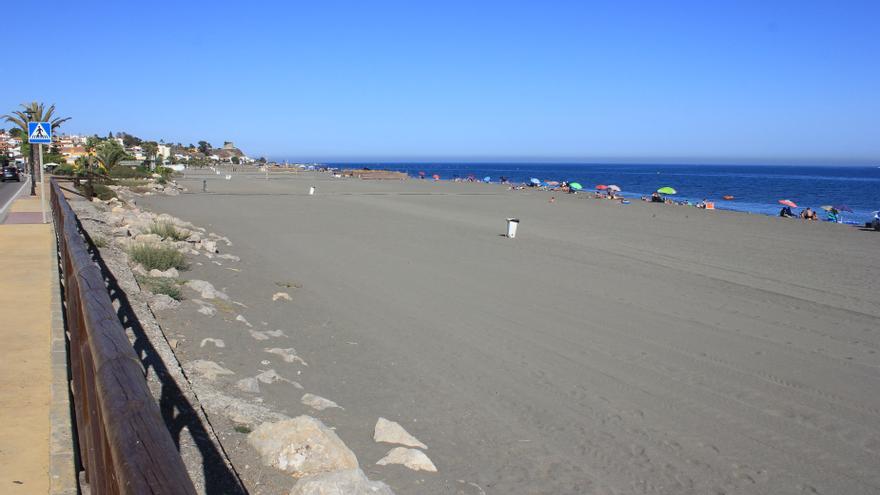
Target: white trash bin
x=512 y=223
x=312 y=191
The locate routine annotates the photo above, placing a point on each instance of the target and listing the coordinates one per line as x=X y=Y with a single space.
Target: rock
x=117 y=210
x=161 y=302
x=114 y=220
x=121 y=232
x=243 y=320
x=249 y=385
x=270 y=376
x=318 y=402
x=170 y=191
x=206 y=290
x=258 y=335
x=347 y=482
x=217 y=342
x=289 y=355
x=391 y=432
x=207 y=309
x=280 y=295
x=230 y=257
x=139 y=270
x=96 y=200
x=209 y=246
x=194 y=237
x=173 y=343
x=169 y=273
x=206 y=369
x=302 y=446
x=411 y=458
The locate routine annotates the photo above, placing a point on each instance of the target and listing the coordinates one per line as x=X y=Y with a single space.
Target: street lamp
x=30 y=116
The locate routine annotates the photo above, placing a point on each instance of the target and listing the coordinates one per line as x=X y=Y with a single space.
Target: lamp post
x=30 y=115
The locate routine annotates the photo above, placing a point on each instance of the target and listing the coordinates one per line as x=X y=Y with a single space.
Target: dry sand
x=607 y=349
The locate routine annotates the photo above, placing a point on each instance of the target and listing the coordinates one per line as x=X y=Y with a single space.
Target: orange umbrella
x=601 y=187
x=788 y=202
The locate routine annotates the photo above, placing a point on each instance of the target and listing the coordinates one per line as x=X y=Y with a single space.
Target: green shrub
x=162 y=285
x=167 y=230
x=130 y=182
x=95 y=190
x=66 y=170
x=123 y=172
x=159 y=257
x=103 y=192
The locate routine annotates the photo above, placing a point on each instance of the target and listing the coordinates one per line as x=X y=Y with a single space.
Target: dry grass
x=159 y=257
x=167 y=230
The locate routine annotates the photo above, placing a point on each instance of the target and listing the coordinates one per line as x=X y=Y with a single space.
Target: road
x=7 y=191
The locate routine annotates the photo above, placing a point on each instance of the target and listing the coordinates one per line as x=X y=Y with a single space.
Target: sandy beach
x=608 y=348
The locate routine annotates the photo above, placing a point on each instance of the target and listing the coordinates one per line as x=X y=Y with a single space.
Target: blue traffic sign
x=39 y=133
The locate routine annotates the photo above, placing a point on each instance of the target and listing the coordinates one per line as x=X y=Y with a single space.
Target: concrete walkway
x=26 y=289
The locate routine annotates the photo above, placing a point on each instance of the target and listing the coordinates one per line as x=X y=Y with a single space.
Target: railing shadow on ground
x=177 y=411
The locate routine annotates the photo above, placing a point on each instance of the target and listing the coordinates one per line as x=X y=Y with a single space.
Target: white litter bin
x=312 y=191
x=512 y=223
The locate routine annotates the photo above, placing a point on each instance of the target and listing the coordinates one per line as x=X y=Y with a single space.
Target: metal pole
x=42 y=185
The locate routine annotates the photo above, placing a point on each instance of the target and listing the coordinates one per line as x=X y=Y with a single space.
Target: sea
x=755 y=188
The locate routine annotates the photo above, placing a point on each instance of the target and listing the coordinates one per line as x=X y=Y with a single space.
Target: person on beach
x=785 y=212
x=808 y=214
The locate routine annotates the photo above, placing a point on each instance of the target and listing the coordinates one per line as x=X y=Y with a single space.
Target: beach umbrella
x=788 y=202
x=435 y=177
x=728 y=197
x=843 y=208
x=421 y=174
x=535 y=181
x=601 y=187
x=614 y=188
x=487 y=179
x=575 y=186
x=552 y=183
x=827 y=207
x=666 y=190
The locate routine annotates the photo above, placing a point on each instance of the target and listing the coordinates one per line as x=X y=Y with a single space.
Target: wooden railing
x=124 y=446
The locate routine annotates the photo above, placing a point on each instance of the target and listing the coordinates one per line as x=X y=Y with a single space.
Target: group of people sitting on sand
x=805 y=214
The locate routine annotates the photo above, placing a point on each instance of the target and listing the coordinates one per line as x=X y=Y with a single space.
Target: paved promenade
x=25 y=378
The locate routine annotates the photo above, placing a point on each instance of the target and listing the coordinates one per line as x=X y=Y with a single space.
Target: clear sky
x=381 y=80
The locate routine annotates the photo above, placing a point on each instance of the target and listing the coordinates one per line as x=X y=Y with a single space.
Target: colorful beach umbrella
x=487 y=179
x=614 y=188
x=436 y=177
x=601 y=187
x=827 y=207
x=535 y=181
x=575 y=186
x=843 y=208
x=666 y=190
x=421 y=174
x=788 y=202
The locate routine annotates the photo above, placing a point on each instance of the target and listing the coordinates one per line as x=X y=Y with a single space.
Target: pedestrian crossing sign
x=39 y=133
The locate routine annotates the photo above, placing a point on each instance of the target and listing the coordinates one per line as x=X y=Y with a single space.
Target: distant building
x=164 y=151
x=228 y=145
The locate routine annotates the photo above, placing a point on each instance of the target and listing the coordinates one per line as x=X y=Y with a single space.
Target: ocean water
x=756 y=188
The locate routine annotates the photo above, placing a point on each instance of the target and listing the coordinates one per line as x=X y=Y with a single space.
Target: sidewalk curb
x=62 y=460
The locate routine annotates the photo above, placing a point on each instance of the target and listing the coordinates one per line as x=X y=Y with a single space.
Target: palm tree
x=34 y=112
x=109 y=154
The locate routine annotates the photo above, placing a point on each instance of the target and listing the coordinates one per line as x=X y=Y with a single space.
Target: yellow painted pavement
x=25 y=370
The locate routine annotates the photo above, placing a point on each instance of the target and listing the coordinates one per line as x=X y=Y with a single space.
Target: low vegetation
x=157 y=257
x=167 y=230
x=99 y=242
x=162 y=285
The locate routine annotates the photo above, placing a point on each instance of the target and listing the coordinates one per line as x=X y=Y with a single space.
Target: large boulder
x=348 y=482
x=302 y=446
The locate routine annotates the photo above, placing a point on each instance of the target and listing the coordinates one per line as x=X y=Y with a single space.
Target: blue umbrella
x=535 y=181
x=487 y=179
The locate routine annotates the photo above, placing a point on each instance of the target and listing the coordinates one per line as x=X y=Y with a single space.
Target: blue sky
x=772 y=81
